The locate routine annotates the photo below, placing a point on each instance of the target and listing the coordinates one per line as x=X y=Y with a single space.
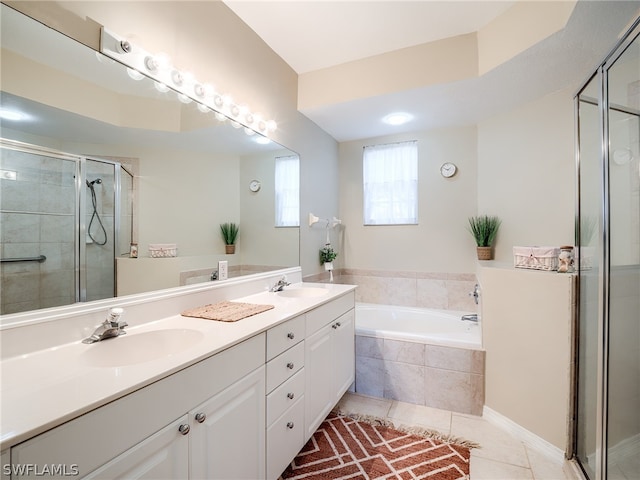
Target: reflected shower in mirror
x=184 y=172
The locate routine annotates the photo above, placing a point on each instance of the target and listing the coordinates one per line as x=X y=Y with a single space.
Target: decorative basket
x=163 y=250
x=536 y=258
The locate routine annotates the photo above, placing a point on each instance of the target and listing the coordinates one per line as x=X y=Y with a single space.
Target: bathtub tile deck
x=501 y=456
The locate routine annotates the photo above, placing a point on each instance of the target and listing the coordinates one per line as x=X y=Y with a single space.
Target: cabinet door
x=343 y=354
x=227 y=438
x=318 y=378
x=164 y=455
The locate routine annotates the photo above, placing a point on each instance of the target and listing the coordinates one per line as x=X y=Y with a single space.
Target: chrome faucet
x=113 y=326
x=471 y=317
x=214 y=275
x=280 y=284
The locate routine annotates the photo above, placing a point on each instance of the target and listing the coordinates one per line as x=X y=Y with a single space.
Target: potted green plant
x=484 y=229
x=229 y=231
x=327 y=256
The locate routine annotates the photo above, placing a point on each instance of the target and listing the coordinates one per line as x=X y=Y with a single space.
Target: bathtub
x=438 y=327
x=421 y=356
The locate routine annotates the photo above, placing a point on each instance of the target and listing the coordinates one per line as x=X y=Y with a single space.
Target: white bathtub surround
x=413 y=368
x=449 y=291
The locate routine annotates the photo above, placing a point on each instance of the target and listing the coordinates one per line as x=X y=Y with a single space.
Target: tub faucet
x=471 y=317
x=113 y=326
x=280 y=284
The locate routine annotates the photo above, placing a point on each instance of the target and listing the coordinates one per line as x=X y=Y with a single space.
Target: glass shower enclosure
x=64 y=218
x=607 y=395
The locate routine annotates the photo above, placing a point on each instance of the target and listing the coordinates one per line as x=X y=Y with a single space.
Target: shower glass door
x=38 y=229
x=607 y=413
x=623 y=306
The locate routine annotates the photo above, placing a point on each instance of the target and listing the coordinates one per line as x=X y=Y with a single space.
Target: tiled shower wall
x=37 y=216
x=448 y=291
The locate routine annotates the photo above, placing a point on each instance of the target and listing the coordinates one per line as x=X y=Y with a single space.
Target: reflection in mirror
x=94 y=163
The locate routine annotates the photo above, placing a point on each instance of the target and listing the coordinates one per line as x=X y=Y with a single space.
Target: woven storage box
x=536 y=258
x=163 y=250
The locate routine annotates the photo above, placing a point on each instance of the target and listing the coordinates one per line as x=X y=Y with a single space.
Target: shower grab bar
x=39 y=259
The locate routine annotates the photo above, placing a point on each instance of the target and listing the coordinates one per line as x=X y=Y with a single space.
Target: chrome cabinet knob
x=291 y=336
x=290 y=395
x=338 y=324
x=290 y=425
x=290 y=365
x=184 y=429
x=200 y=417
x=334 y=326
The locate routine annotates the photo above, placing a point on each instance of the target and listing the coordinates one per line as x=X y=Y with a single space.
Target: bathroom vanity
x=216 y=400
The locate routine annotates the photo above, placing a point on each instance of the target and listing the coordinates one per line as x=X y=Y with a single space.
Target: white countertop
x=43 y=389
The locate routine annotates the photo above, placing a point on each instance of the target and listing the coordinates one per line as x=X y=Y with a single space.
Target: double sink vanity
x=180 y=397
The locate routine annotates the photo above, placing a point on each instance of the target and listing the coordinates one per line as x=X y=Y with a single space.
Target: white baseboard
x=525 y=436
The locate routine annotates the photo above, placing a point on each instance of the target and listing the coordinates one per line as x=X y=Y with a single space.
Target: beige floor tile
x=402 y=413
x=354 y=403
x=495 y=443
x=544 y=468
x=485 y=469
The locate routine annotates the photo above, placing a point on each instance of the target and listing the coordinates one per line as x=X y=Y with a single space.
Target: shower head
x=97 y=180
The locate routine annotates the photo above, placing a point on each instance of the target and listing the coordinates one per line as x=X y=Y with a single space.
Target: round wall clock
x=254 y=185
x=448 y=170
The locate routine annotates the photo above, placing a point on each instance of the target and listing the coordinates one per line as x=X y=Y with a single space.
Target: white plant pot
x=328 y=266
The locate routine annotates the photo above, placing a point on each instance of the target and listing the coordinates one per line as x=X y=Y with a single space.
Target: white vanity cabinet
x=329 y=358
x=285 y=394
x=144 y=434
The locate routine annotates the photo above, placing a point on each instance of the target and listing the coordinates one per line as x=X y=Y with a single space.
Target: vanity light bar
x=185 y=84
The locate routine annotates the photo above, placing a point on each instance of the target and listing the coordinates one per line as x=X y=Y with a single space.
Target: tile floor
x=501 y=456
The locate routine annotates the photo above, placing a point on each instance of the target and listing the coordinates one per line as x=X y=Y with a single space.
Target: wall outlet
x=223 y=270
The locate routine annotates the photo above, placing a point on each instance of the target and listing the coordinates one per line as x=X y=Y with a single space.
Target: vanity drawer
x=285 y=438
x=318 y=318
x=285 y=396
x=284 y=366
x=284 y=336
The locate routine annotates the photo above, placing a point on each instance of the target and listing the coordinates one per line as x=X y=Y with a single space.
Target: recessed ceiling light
x=13 y=115
x=262 y=140
x=397 y=118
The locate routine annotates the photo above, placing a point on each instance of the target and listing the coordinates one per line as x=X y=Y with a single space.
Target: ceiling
x=311 y=35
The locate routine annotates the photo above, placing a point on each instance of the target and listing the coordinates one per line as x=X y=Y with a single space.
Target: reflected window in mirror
x=287 y=187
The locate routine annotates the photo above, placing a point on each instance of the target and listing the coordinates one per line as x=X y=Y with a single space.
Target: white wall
x=440 y=241
x=526 y=173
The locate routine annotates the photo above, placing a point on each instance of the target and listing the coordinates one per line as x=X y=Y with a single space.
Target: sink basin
x=130 y=349
x=302 y=292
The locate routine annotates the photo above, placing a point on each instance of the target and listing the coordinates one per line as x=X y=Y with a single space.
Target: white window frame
x=390 y=184
x=287 y=191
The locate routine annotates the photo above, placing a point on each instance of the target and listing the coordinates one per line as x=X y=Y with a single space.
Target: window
x=390 y=180
x=287 y=186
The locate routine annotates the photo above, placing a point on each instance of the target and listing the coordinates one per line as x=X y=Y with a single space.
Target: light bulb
x=177 y=78
x=235 y=124
x=272 y=125
x=161 y=87
x=220 y=116
x=198 y=90
x=151 y=64
x=249 y=118
x=248 y=131
x=262 y=125
x=235 y=111
x=183 y=98
x=203 y=108
x=262 y=140
x=134 y=74
x=218 y=101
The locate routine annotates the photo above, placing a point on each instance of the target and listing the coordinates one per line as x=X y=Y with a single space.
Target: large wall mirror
x=95 y=158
